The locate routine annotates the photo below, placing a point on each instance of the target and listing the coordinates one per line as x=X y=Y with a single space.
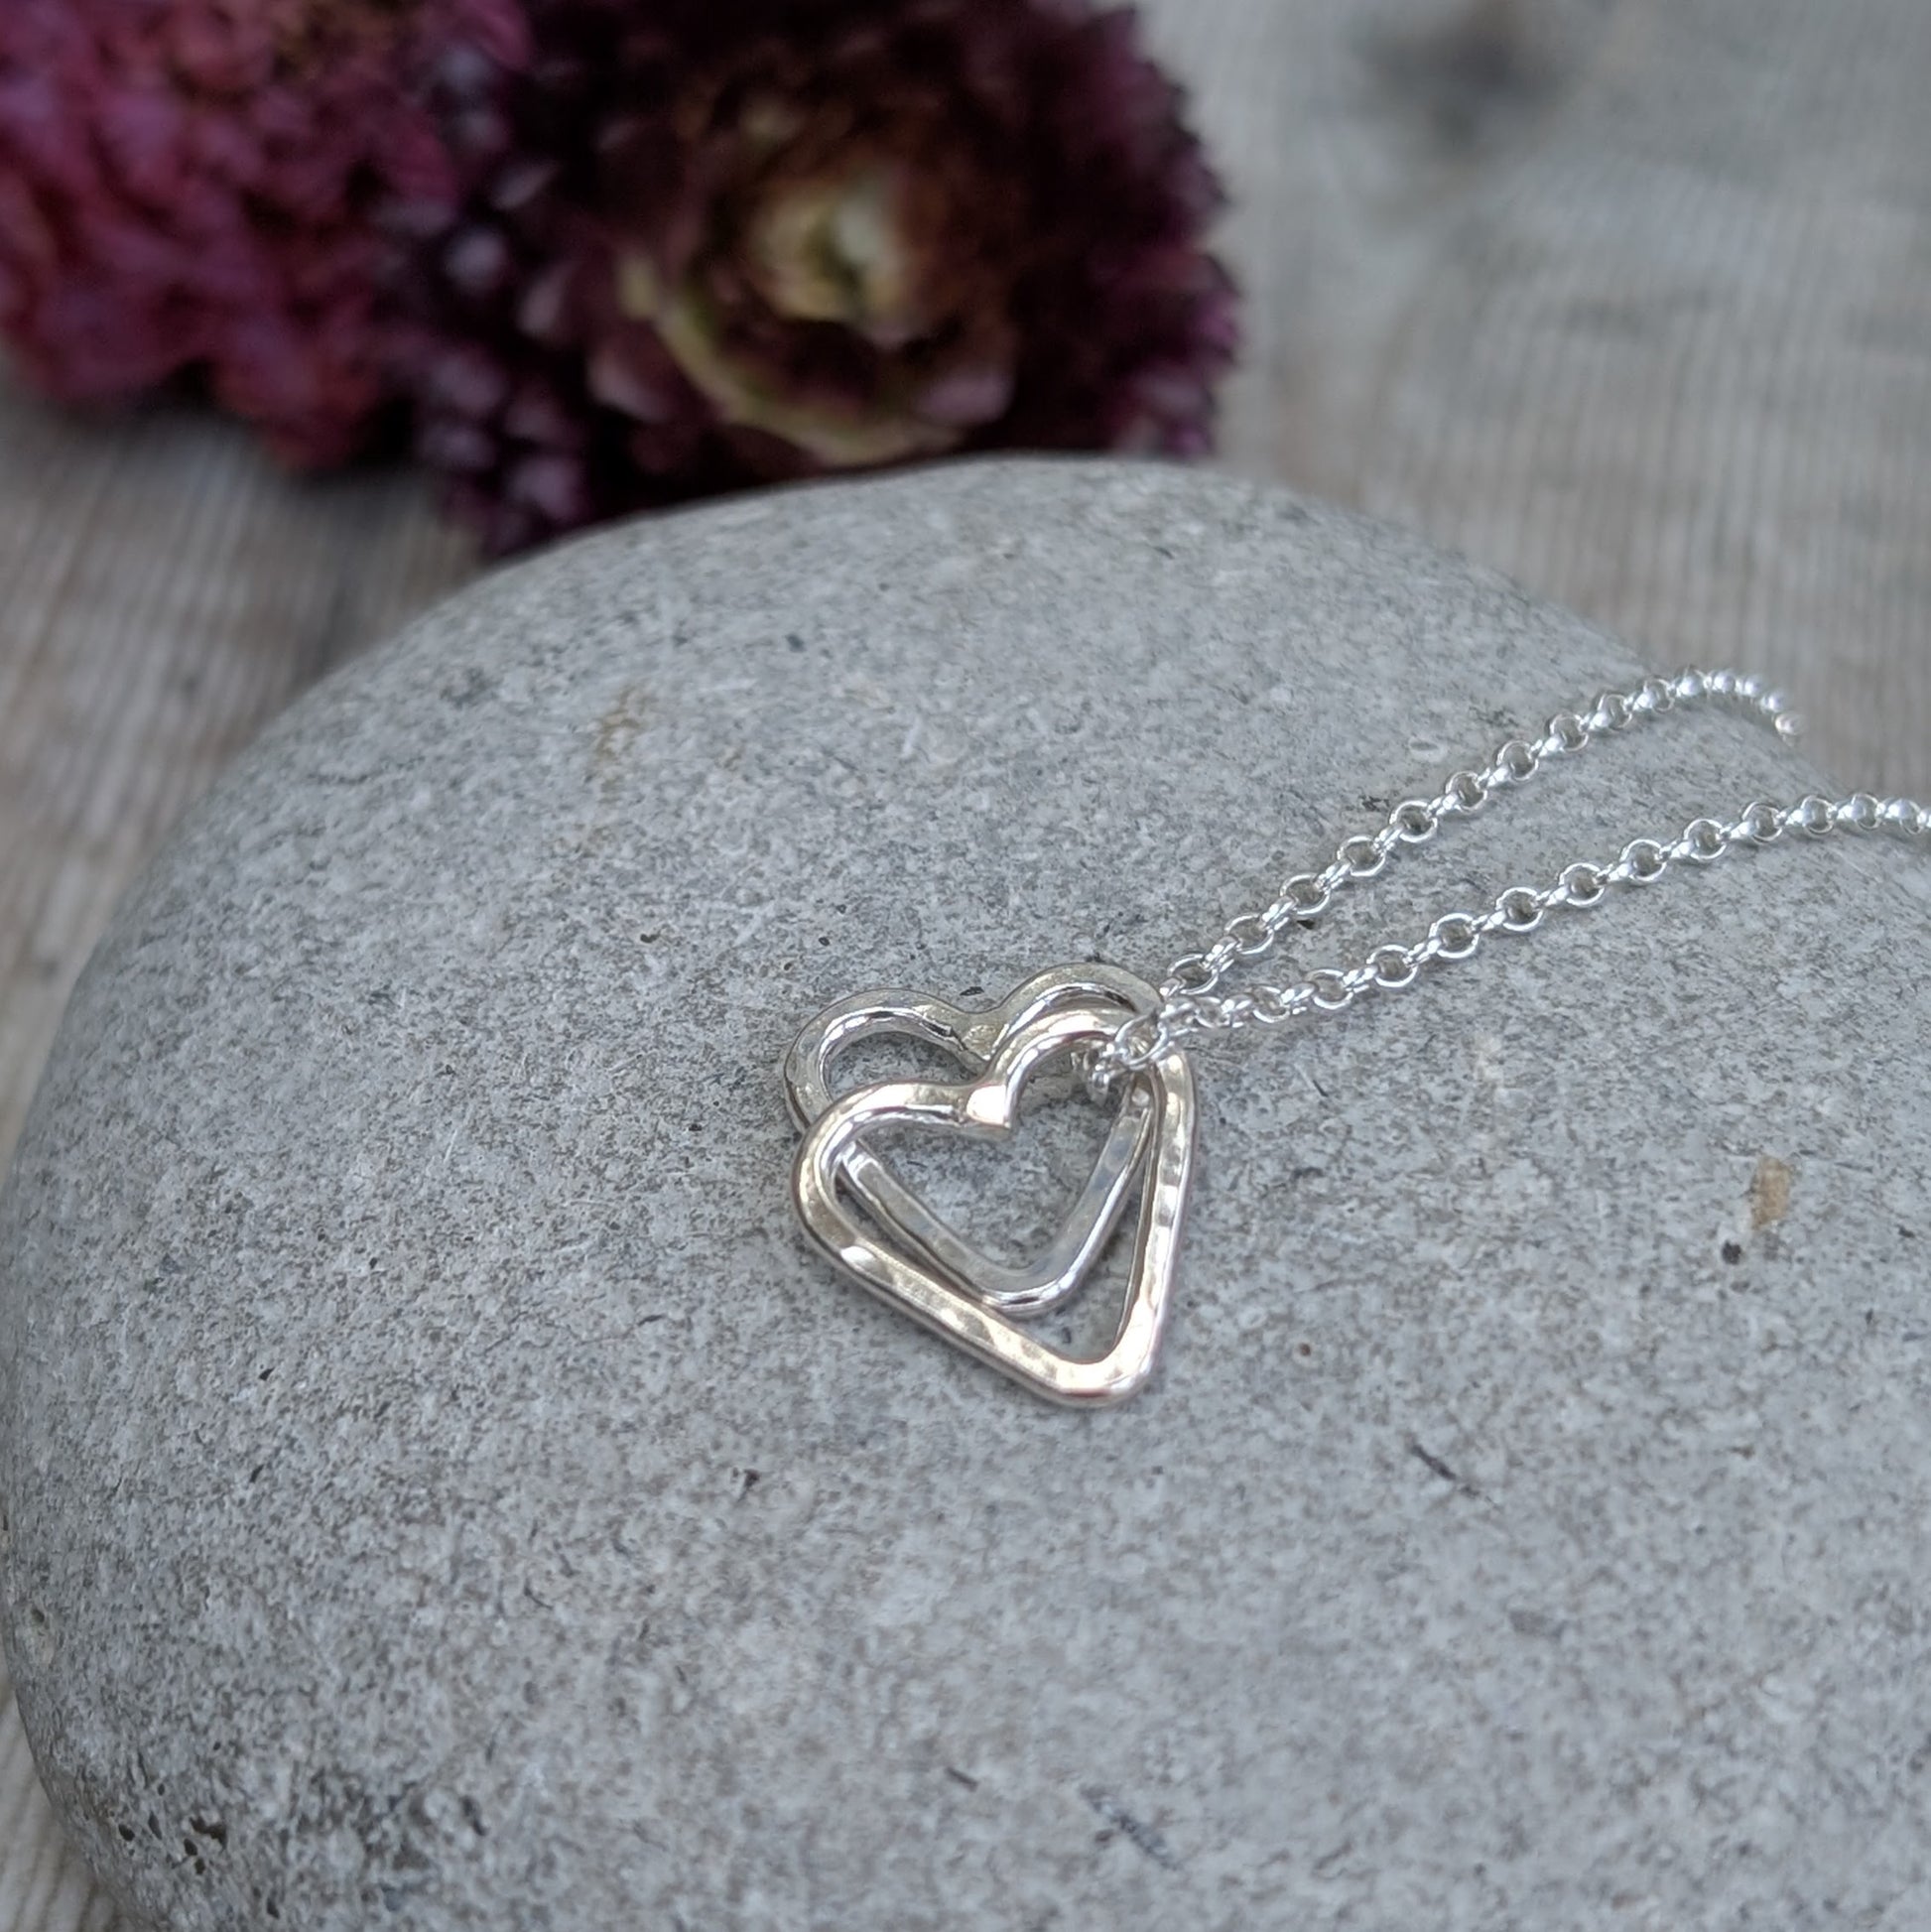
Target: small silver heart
x=972 y=1036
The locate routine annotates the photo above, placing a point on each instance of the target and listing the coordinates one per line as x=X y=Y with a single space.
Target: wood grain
x=1629 y=298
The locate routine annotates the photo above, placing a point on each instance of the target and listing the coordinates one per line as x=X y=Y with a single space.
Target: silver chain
x=1190 y=997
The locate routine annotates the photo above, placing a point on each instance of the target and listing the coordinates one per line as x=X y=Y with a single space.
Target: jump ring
x=1456 y=935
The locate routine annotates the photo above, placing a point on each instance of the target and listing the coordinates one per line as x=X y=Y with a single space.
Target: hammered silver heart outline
x=1051 y=1016
x=973 y=1035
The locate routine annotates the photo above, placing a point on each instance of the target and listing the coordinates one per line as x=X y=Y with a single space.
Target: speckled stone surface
x=441 y=1491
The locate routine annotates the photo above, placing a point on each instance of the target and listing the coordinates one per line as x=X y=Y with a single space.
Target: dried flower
x=708 y=246
x=188 y=185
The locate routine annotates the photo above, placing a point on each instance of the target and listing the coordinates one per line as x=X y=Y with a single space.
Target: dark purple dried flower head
x=711 y=245
x=189 y=187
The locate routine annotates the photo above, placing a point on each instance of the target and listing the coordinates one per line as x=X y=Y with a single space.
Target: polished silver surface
x=880 y=1233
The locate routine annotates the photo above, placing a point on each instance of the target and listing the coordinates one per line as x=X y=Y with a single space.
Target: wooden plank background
x=1629 y=298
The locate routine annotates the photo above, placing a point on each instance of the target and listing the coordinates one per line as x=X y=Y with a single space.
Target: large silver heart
x=883 y=1234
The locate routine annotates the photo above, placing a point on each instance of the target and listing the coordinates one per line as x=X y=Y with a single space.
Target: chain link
x=1190 y=996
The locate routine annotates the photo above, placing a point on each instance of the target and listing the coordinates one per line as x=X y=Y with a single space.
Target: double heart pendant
x=878 y=1229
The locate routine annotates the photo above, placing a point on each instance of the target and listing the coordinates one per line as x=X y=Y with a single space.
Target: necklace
x=1126 y=1039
